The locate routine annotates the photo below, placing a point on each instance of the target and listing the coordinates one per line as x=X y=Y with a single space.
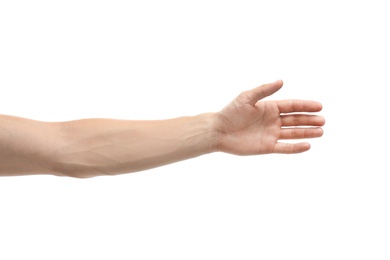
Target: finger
x=291 y=148
x=299 y=133
x=302 y=120
x=289 y=106
x=258 y=93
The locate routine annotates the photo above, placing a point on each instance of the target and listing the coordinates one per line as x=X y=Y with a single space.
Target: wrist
x=208 y=121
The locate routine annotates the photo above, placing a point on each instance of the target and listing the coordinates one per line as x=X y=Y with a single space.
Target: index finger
x=295 y=105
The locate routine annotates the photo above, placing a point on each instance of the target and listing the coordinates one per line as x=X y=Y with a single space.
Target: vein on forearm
x=107 y=146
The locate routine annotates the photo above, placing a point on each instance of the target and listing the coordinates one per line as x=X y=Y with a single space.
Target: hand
x=248 y=126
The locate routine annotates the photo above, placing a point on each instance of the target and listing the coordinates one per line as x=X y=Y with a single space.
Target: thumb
x=258 y=93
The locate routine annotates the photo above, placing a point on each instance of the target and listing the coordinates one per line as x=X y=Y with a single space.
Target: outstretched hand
x=249 y=126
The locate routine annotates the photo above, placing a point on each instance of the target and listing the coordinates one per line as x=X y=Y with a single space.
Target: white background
x=62 y=60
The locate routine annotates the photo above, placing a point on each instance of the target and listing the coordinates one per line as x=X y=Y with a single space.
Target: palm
x=249 y=126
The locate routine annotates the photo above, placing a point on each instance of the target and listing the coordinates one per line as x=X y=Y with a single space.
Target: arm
x=93 y=147
x=97 y=146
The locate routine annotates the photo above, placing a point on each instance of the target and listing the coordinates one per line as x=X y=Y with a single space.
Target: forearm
x=92 y=147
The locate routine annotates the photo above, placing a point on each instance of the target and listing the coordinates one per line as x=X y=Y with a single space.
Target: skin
x=98 y=146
